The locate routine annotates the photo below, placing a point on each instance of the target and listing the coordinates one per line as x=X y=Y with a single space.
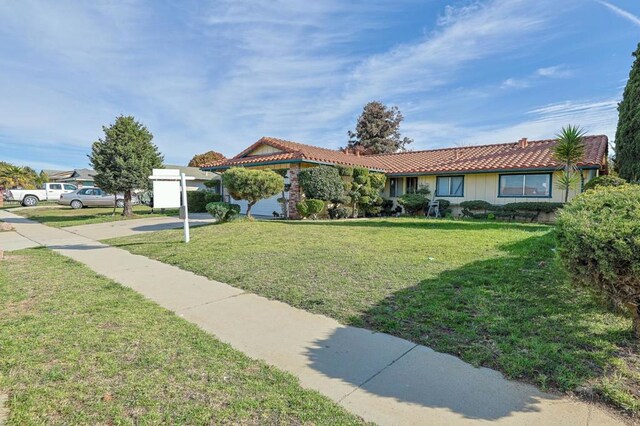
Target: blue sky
x=221 y=74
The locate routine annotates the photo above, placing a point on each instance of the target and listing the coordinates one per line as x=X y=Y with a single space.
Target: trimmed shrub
x=413 y=203
x=223 y=212
x=476 y=205
x=360 y=175
x=533 y=206
x=345 y=170
x=314 y=207
x=321 y=183
x=303 y=209
x=606 y=180
x=197 y=200
x=338 y=212
x=387 y=207
x=599 y=243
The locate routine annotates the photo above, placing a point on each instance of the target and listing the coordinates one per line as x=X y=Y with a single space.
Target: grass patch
x=490 y=293
x=66 y=216
x=77 y=348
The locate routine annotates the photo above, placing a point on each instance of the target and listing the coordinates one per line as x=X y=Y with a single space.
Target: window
x=395 y=187
x=69 y=187
x=85 y=191
x=55 y=186
x=412 y=185
x=530 y=185
x=450 y=186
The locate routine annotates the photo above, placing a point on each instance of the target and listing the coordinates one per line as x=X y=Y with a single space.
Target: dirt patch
x=4 y=410
x=4 y=226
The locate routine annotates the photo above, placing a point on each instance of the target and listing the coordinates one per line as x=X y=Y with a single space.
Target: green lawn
x=62 y=216
x=491 y=293
x=77 y=348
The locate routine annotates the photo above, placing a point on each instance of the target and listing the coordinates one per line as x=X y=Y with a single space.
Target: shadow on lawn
x=517 y=314
x=418 y=223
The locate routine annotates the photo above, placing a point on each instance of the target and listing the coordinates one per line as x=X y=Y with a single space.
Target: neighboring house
x=200 y=176
x=497 y=173
x=78 y=177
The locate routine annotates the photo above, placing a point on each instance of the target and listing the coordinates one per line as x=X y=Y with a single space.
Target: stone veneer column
x=294 y=191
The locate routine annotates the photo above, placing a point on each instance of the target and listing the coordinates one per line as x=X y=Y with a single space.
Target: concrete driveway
x=125 y=228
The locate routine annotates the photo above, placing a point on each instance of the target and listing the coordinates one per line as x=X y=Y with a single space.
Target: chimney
x=523 y=143
x=457 y=154
x=345 y=150
x=357 y=153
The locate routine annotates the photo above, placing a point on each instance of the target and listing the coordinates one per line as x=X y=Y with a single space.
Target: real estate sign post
x=170 y=192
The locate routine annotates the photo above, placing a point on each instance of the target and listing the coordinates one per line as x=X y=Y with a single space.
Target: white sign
x=166 y=194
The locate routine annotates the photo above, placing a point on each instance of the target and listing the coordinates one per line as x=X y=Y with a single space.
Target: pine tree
x=627 y=162
x=124 y=159
x=378 y=130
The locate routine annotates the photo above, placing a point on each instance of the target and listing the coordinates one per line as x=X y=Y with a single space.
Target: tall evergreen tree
x=627 y=162
x=124 y=159
x=378 y=130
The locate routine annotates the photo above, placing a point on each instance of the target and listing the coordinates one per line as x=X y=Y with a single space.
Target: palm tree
x=15 y=176
x=569 y=151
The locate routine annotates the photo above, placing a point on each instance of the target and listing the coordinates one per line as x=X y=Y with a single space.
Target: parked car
x=31 y=197
x=93 y=197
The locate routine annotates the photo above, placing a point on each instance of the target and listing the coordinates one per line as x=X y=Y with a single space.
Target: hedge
x=524 y=210
x=606 y=180
x=198 y=200
x=599 y=243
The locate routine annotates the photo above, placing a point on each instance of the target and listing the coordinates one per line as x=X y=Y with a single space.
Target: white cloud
x=553 y=72
x=557 y=71
x=621 y=12
x=514 y=83
x=596 y=116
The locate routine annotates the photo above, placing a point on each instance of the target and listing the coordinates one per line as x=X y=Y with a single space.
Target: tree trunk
x=566 y=194
x=249 y=205
x=115 y=201
x=128 y=207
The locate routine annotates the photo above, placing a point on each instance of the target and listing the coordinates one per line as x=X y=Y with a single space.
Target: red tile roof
x=506 y=156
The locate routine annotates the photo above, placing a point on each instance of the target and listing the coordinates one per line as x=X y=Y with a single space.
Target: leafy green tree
x=252 y=185
x=125 y=159
x=208 y=157
x=569 y=151
x=378 y=130
x=627 y=161
x=322 y=183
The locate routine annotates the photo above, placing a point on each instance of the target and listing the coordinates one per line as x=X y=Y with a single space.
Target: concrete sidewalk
x=382 y=378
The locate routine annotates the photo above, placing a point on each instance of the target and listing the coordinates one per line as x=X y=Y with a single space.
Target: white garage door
x=264 y=207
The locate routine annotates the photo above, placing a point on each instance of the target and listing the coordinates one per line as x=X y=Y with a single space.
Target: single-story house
x=201 y=176
x=78 y=177
x=496 y=173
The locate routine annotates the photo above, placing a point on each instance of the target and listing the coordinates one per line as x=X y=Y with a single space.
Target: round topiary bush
x=606 y=180
x=314 y=207
x=599 y=244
